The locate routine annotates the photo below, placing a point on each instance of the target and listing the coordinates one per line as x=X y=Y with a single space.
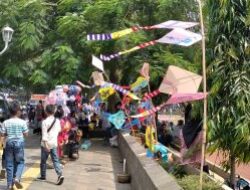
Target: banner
x=179 y=80
x=97 y=63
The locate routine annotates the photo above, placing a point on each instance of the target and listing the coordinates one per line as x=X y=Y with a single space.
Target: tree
x=49 y=45
x=229 y=78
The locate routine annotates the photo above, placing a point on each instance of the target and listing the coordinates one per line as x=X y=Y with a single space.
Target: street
x=96 y=169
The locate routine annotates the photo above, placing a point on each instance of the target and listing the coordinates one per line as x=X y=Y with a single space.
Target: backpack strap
x=51 y=126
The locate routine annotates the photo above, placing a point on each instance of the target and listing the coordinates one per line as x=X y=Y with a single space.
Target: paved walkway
x=96 y=169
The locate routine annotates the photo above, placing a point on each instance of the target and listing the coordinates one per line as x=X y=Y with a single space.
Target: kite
x=178 y=36
x=178 y=80
x=171 y=24
x=120 y=89
x=174 y=99
x=133 y=122
x=145 y=71
x=105 y=92
x=118 y=119
x=145 y=105
x=97 y=63
x=98 y=78
x=140 y=83
x=150 y=138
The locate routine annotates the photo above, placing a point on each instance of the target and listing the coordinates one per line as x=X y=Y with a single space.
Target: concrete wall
x=146 y=174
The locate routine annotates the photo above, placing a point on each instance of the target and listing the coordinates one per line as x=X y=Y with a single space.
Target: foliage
x=175 y=169
x=191 y=182
x=229 y=79
x=49 y=45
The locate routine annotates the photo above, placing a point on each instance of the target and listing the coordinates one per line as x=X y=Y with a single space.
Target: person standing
x=14 y=129
x=39 y=116
x=50 y=130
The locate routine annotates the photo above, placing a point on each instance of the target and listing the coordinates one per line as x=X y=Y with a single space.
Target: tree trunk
x=232 y=170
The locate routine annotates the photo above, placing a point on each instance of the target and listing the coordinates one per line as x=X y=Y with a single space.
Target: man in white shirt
x=50 y=130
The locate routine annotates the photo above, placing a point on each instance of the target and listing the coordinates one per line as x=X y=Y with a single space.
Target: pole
x=204 y=129
x=154 y=119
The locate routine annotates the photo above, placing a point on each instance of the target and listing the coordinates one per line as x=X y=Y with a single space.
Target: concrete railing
x=146 y=174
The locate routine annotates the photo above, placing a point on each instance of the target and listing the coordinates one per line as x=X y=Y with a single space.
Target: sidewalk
x=96 y=169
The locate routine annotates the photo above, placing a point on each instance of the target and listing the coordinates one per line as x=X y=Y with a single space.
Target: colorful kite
x=141 y=82
x=178 y=36
x=150 y=137
x=174 y=99
x=118 y=119
x=120 y=89
x=171 y=24
x=133 y=122
x=106 y=92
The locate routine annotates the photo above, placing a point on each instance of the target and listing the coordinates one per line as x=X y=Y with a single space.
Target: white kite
x=179 y=80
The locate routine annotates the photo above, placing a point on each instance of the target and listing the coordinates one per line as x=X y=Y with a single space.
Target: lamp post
x=7 y=36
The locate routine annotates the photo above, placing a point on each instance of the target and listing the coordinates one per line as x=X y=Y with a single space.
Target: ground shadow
x=116 y=161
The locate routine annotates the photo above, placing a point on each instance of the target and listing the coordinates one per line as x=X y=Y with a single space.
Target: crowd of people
x=62 y=128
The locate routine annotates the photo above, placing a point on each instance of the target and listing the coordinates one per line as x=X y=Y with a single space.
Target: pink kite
x=174 y=99
x=187 y=97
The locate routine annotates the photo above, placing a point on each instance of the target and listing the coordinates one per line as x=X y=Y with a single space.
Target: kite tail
x=150 y=95
x=97 y=37
x=118 y=34
x=116 y=55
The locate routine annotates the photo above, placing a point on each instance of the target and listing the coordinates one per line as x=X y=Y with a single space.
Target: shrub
x=192 y=182
x=174 y=169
